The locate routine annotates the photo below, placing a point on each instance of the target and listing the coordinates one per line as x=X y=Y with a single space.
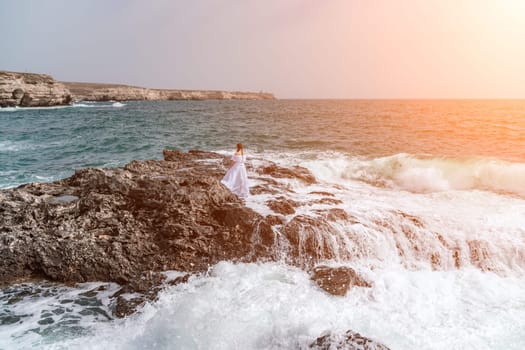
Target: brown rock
x=337 y=280
x=31 y=90
x=310 y=240
x=349 y=341
x=295 y=172
x=117 y=224
x=282 y=205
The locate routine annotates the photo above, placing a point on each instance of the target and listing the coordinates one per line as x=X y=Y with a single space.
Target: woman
x=236 y=179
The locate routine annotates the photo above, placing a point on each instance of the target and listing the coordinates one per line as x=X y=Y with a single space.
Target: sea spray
x=273 y=306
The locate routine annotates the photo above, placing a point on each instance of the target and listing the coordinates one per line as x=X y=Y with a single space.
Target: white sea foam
x=15 y=146
x=82 y=105
x=431 y=230
x=49 y=312
x=98 y=105
x=423 y=175
x=271 y=306
x=14 y=109
x=8 y=109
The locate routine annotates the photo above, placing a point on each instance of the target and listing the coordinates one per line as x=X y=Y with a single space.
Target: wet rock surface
x=282 y=205
x=128 y=224
x=295 y=172
x=348 y=341
x=119 y=224
x=337 y=280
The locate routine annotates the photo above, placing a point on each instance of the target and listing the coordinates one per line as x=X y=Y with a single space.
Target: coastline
x=41 y=90
x=119 y=92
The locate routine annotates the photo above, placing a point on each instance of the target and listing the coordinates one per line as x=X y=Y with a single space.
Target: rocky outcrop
x=348 y=341
x=337 y=280
x=128 y=224
x=41 y=90
x=31 y=90
x=108 y=92
x=119 y=224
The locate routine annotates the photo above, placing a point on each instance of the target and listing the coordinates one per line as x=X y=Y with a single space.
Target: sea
x=435 y=190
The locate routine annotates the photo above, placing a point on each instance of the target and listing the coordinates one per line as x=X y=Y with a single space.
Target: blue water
x=47 y=144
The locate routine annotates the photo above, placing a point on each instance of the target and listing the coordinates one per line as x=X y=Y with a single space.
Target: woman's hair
x=240 y=148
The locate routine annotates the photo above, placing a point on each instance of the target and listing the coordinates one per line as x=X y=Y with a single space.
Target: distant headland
x=41 y=90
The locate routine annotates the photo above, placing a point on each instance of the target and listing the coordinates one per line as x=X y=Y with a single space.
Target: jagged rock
x=262 y=189
x=334 y=214
x=322 y=193
x=295 y=172
x=125 y=307
x=274 y=220
x=337 y=280
x=310 y=240
x=330 y=201
x=282 y=205
x=118 y=224
x=127 y=224
x=31 y=90
x=348 y=341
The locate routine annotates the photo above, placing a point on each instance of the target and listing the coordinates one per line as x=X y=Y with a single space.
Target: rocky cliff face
x=31 y=90
x=118 y=224
x=107 y=92
x=41 y=90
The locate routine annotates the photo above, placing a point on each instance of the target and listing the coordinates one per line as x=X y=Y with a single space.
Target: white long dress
x=236 y=179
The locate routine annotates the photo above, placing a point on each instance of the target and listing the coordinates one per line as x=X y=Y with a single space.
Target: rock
x=330 y=201
x=18 y=94
x=321 y=193
x=127 y=224
x=125 y=307
x=480 y=255
x=311 y=240
x=119 y=92
x=335 y=214
x=295 y=172
x=282 y=205
x=31 y=90
x=337 y=280
x=348 y=341
x=119 y=224
x=41 y=90
x=274 y=220
x=180 y=279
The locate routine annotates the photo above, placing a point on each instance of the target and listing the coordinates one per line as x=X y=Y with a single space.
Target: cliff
x=117 y=92
x=31 y=90
x=41 y=90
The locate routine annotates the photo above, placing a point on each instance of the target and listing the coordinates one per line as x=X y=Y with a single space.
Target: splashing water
x=434 y=218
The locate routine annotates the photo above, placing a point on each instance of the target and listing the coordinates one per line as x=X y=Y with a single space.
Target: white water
x=400 y=223
x=74 y=105
x=271 y=306
x=393 y=225
x=418 y=174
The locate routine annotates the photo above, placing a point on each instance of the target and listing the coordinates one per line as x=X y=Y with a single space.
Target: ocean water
x=435 y=189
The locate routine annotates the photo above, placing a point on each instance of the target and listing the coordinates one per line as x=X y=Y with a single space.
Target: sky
x=292 y=48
